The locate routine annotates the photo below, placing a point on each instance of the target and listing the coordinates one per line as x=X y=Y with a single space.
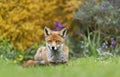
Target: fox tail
x=30 y=63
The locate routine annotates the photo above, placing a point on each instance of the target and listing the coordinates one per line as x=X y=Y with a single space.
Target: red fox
x=55 y=50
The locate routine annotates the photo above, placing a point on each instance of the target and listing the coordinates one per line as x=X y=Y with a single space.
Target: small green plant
x=90 y=45
x=7 y=52
x=30 y=52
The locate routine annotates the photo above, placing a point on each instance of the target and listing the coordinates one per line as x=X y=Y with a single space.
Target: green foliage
x=8 y=53
x=101 y=16
x=5 y=49
x=30 y=52
x=91 y=17
x=90 y=45
x=94 y=46
x=87 y=46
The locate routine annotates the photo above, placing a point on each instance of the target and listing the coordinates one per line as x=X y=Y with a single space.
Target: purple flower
x=103 y=7
x=113 y=43
x=58 y=25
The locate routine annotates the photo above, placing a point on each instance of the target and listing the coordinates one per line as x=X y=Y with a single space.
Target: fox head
x=55 y=39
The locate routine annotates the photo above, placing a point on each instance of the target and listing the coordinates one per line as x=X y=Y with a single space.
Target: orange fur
x=55 y=51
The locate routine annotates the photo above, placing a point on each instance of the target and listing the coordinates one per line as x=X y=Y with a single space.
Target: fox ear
x=63 y=32
x=47 y=31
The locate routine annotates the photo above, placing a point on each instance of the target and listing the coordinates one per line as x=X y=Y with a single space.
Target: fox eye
x=58 y=41
x=49 y=41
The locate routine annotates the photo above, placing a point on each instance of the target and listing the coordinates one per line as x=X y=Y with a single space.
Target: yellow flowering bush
x=22 y=21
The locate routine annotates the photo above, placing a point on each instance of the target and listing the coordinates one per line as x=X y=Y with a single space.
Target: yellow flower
x=20 y=58
x=20 y=24
x=15 y=61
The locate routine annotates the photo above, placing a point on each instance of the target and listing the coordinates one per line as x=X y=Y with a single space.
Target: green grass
x=82 y=67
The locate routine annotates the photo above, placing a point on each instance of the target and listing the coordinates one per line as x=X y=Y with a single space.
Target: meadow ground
x=82 y=67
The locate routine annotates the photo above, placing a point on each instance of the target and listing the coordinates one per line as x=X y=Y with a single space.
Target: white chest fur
x=56 y=56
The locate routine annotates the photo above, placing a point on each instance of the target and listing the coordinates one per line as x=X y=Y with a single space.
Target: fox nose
x=53 y=48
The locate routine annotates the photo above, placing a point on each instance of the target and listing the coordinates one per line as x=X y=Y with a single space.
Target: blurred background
x=22 y=21
x=93 y=26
